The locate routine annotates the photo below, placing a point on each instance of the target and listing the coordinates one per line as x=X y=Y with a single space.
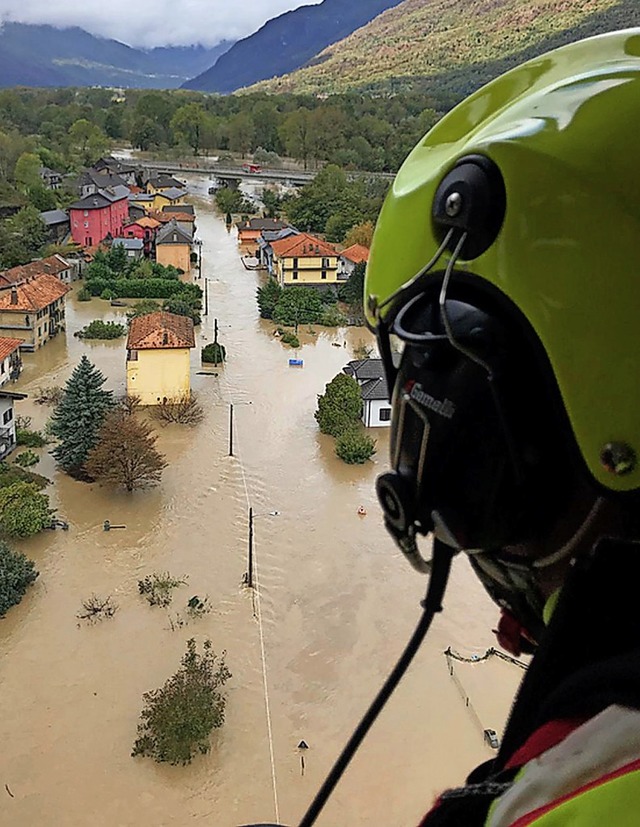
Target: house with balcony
x=33 y=310
x=376 y=407
x=173 y=246
x=158 y=357
x=99 y=215
x=304 y=259
x=10 y=360
x=8 y=421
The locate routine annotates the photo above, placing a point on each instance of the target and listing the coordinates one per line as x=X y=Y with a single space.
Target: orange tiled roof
x=356 y=253
x=32 y=295
x=160 y=330
x=147 y=221
x=52 y=265
x=161 y=217
x=7 y=346
x=302 y=245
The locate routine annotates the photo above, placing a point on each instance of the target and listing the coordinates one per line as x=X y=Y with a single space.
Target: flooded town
x=311 y=625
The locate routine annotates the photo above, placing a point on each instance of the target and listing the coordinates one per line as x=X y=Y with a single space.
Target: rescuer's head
x=504 y=288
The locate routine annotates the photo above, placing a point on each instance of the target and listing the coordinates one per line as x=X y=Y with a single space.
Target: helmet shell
x=564 y=130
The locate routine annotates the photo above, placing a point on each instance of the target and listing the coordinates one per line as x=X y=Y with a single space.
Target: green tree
x=142 y=308
x=17 y=573
x=87 y=141
x=229 y=200
x=27 y=171
x=23 y=510
x=181 y=307
x=354 y=446
x=178 y=719
x=340 y=407
x=272 y=203
x=268 y=297
x=77 y=419
x=360 y=234
x=241 y=133
x=145 y=133
x=97 y=329
x=187 y=125
x=125 y=454
x=295 y=134
x=21 y=238
x=352 y=291
x=298 y=305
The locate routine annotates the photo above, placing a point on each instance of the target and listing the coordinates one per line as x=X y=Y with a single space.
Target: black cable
x=432 y=604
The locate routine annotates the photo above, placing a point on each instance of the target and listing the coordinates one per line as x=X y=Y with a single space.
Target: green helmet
x=509 y=237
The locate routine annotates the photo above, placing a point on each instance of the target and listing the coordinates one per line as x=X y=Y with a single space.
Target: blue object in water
x=296 y=363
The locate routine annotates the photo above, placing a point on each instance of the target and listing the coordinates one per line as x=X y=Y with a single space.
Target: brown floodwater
x=334 y=607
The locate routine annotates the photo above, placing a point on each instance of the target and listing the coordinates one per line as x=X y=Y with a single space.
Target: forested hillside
x=287 y=42
x=450 y=47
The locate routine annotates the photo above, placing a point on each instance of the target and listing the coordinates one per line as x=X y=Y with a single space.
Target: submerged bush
x=17 y=573
x=178 y=719
x=355 y=447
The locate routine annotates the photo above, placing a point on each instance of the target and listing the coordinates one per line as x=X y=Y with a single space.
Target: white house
x=369 y=374
x=10 y=361
x=8 y=421
x=353 y=255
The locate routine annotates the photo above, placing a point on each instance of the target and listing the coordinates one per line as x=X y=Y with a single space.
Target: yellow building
x=168 y=198
x=173 y=246
x=304 y=259
x=33 y=310
x=158 y=358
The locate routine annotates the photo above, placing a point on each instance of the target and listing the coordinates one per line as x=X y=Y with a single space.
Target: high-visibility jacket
x=570 y=755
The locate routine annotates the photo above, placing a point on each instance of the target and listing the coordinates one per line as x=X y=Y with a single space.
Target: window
x=295 y=275
x=86 y=225
x=385 y=414
x=324 y=274
x=2 y=368
x=86 y=213
x=325 y=264
x=295 y=263
x=7 y=416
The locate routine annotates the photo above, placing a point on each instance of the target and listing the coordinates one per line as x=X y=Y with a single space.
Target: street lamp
x=248 y=577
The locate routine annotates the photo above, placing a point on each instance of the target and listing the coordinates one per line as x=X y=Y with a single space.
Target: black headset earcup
x=394 y=495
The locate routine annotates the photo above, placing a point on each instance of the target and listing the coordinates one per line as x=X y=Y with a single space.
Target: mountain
x=46 y=56
x=286 y=43
x=451 y=47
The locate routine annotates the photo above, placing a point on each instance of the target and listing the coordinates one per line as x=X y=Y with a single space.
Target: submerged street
x=334 y=606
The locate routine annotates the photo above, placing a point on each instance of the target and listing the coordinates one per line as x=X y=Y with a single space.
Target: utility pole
x=206 y=297
x=231 y=429
x=215 y=343
x=250 y=563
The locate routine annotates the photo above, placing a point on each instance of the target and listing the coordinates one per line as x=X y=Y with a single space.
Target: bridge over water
x=231 y=174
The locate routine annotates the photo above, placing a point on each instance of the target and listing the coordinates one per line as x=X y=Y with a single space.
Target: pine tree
x=125 y=453
x=78 y=417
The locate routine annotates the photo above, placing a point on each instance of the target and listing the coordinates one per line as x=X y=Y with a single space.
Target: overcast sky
x=153 y=22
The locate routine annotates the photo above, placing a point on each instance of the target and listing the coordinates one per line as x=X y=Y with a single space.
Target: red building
x=144 y=228
x=96 y=216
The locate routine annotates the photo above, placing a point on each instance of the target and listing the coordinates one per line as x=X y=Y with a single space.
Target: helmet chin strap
x=568 y=549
